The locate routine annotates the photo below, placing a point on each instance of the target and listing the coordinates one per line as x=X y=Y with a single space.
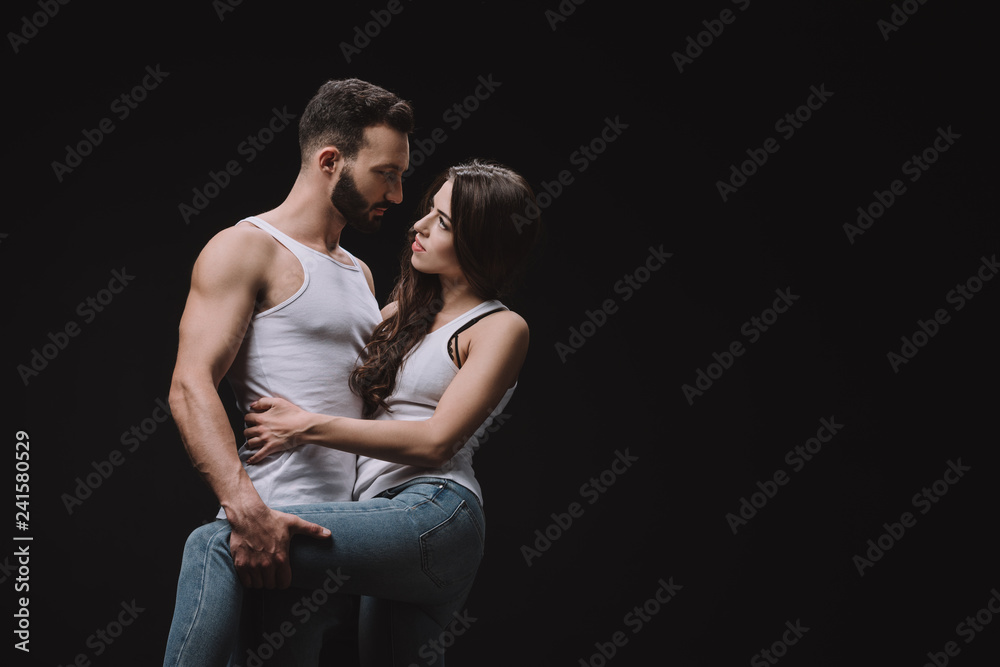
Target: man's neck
x=309 y=219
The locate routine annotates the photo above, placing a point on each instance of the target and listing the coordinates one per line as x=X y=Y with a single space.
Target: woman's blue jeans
x=412 y=552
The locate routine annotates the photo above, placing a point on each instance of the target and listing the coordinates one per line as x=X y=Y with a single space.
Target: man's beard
x=353 y=206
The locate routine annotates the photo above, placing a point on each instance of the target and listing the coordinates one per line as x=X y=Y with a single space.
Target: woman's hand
x=275 y=425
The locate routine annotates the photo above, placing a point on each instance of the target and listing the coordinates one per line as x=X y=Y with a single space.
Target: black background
x=655 y=185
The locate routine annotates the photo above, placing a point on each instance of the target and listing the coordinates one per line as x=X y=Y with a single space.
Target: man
x=277 y=303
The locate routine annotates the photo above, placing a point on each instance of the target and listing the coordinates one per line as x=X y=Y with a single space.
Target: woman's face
x=434 y=244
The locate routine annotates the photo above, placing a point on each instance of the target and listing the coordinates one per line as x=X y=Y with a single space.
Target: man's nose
x=395 y=194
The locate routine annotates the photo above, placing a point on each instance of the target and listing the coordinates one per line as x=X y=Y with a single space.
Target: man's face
x=371 y=182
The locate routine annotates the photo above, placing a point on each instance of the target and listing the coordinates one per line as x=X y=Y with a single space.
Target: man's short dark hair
x=339 y=112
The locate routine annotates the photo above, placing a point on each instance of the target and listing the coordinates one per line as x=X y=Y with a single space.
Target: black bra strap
x=453 y=352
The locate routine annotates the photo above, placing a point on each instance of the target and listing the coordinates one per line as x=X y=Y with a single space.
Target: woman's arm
x=496 y=354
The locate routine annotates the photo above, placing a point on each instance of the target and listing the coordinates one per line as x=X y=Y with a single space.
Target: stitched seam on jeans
x=201 y=593
x=480 y=527
x=433 y=498
x=422 y=502
x=346 y=511
x=400 y=507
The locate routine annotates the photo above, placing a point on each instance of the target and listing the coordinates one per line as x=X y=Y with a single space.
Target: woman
x=443 y=362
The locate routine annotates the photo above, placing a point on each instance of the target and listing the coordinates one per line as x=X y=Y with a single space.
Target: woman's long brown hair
x=489 y=203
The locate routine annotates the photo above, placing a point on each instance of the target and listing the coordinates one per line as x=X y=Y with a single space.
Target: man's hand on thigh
x=259 y=544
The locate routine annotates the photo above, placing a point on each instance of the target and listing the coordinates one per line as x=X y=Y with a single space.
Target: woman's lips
x=417 y=247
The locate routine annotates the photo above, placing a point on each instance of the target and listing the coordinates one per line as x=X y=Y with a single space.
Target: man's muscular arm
x=228 y=276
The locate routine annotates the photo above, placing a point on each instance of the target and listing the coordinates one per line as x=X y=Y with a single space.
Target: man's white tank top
x=425 y=374
x=304 y=350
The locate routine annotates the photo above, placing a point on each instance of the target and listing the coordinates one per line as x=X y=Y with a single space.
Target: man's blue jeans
x=412 y=553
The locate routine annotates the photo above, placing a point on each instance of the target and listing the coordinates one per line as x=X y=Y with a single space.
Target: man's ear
x=328 y=160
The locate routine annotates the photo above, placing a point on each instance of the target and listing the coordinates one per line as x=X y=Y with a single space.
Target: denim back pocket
x=450 y=552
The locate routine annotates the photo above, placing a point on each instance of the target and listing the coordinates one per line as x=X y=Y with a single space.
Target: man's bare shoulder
x=241 y=244
x=242 y=238
x=241 y=253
